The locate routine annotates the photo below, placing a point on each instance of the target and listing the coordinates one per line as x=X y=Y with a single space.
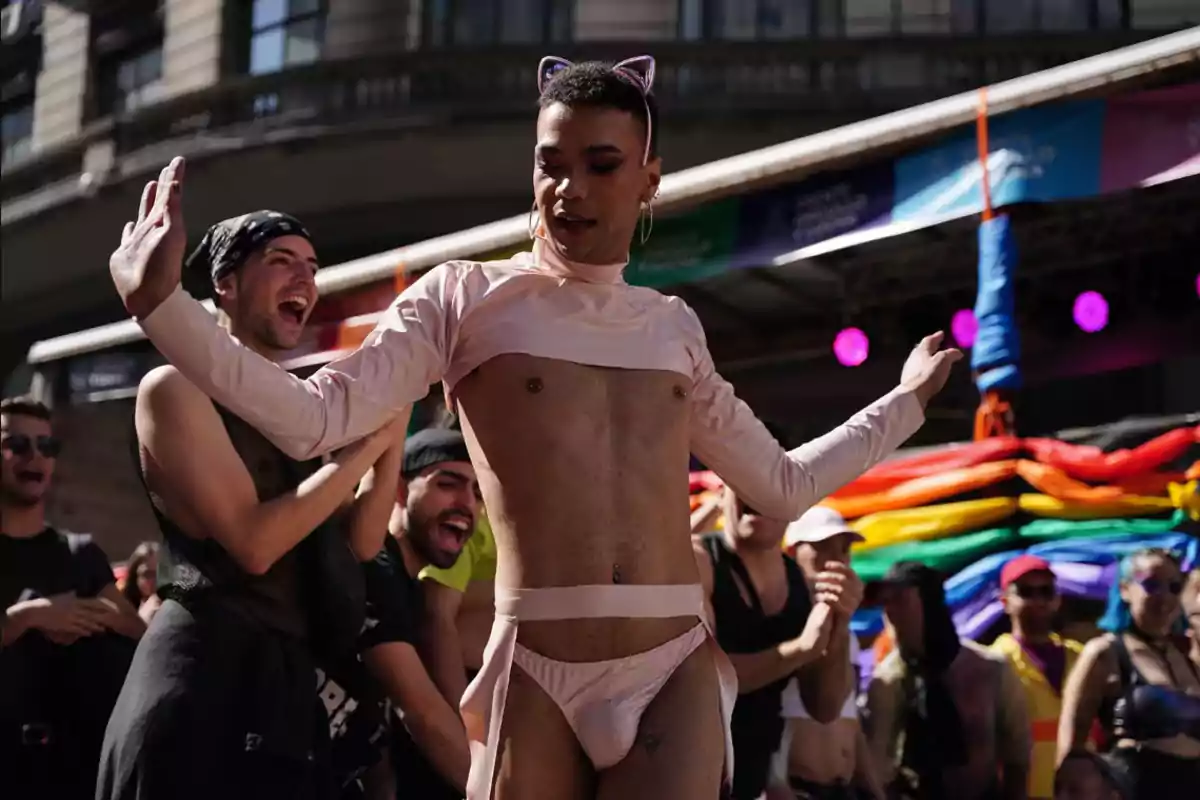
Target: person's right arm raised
x=192 y=466
x=342 y=402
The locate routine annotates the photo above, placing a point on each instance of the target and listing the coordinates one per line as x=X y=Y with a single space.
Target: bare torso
x=823 y=754
x=584 y=471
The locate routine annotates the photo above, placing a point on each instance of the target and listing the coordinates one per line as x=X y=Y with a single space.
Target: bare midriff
x=822 y=754
x=584 y=471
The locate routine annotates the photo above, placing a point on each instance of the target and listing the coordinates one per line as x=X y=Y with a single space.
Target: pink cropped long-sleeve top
x=463 y=313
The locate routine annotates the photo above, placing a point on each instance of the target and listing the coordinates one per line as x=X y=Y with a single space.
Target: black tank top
x=1146 y=711
x=199 y=572
x=744 y=628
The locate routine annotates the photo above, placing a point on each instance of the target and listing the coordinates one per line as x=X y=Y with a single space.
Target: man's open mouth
x=455 y=530
x=30 y=476
x=294 y=307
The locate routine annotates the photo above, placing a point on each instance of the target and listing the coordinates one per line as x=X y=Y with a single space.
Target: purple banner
x=815 y=210
x=1149 y=136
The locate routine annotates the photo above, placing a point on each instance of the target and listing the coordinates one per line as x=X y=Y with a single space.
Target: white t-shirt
x=793 y=707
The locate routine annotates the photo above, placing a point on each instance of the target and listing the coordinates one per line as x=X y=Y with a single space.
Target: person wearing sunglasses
x=1040 y=657
x=248 y=683
x=581 y=398
x=67 y=634
x=1140 y=686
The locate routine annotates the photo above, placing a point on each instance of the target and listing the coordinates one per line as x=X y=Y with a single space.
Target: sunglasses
x=638 y=70
x=21 y=445
x=1156 y=586
x=1035 y=592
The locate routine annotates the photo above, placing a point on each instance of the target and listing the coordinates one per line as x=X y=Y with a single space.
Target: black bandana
x=228 y=244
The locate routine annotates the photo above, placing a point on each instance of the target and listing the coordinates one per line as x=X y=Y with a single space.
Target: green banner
x=687 y=247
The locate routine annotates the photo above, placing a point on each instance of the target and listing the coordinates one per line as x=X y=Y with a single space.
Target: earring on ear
x=533 y=221
x=646 y=228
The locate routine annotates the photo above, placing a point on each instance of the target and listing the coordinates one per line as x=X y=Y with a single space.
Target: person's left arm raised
x=342 y=402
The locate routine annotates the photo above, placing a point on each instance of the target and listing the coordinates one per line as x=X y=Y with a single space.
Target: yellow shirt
x=477 y=562
x=1044 y=706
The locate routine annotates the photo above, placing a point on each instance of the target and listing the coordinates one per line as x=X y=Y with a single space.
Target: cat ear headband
x=638 y=70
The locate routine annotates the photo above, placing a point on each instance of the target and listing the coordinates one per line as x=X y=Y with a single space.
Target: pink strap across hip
x=484 y=702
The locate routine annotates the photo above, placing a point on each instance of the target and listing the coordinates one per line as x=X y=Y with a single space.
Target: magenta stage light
x=964 y=327
x=1198 y=284
x=851 y=347
x=1091 y=312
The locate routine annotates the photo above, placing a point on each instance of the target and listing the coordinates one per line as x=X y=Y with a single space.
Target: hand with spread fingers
x=147 y=266
x=927 y=368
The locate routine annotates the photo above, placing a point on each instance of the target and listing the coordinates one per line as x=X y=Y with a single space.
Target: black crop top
x=1146 y=711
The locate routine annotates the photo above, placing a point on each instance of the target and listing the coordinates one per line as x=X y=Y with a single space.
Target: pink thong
x=603 y=701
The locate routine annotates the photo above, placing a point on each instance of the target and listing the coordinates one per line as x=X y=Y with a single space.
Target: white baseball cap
x=816 y=525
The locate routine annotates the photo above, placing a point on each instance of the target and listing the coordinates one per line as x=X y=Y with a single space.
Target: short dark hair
x=595 y=84
x=25 y=406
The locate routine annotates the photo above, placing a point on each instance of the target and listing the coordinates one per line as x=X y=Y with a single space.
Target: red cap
x=1021 y=566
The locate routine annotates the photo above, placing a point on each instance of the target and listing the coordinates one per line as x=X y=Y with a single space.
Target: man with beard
x=67 y=634
x=765 y=620
x=581 y=397
x=260 y=585
x=434 y=515
x=1040 y=658
x=945 y=717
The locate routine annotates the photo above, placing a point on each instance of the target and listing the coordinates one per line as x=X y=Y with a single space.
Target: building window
x=18 y=131
x=747 y=20
x=482 y=22
x=1163 y=14
x=285 y=33
x=867 y=19
x=127 y=48
x=131 y=81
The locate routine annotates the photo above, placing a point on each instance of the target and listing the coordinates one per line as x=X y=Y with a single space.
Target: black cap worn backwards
x=432 y=446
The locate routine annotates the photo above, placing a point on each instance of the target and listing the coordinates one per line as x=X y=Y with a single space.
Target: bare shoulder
x=165 y=381
x=1099 y=651
x=166 y=396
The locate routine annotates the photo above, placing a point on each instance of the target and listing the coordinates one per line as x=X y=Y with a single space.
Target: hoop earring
x=646 y=229
x=533 y=221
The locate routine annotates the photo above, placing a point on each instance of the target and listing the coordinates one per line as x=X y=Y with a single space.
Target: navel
x=679 y=392
x=616 y=573
x=534 y=385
